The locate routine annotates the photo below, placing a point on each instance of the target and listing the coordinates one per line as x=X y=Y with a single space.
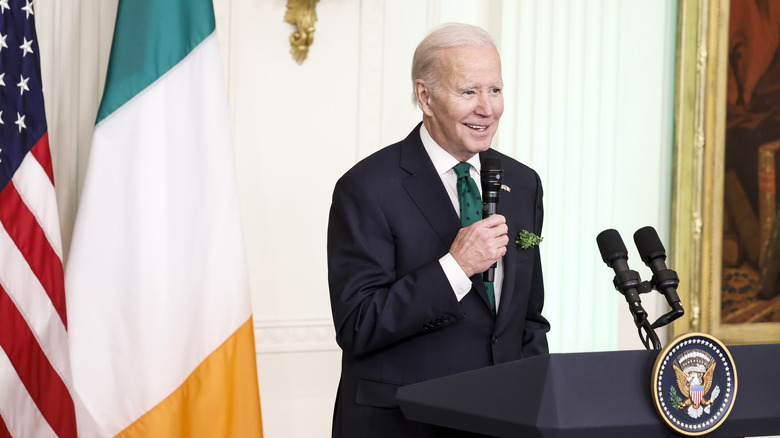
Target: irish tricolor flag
x=157 y=291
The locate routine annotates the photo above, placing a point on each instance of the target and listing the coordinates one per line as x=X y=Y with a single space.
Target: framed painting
x=725 y=242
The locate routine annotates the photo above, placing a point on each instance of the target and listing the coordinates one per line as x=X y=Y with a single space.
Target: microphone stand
x=628 y=283
x=640 y=318
x=651 y=336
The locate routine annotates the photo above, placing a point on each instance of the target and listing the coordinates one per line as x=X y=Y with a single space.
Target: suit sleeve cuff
x=461 y=284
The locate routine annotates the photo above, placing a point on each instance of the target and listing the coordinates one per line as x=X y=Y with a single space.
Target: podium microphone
x=627 y=282
x=665 y=280
x=491 y=175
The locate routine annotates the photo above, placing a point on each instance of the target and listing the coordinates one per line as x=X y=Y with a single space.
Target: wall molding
x=294 y=336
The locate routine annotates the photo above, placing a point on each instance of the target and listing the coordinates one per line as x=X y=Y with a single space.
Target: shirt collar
x=442 y=160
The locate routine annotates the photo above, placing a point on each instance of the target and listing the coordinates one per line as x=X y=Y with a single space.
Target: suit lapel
x=426 y=190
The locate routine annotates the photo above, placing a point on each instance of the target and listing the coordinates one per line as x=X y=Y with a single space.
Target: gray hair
x=425 y=63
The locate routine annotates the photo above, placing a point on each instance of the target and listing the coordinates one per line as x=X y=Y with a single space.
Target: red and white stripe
x=35 y=382
x=697 y=392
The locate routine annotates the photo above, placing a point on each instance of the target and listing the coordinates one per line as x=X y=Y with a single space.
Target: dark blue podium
x=584 y=395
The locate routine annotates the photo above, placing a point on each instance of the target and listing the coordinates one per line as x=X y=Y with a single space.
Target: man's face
x=462 y=112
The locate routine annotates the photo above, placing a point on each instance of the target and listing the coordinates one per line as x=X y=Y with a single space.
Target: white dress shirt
x=443 y=162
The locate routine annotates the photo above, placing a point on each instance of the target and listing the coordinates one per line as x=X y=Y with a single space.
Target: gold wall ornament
x=302 y=14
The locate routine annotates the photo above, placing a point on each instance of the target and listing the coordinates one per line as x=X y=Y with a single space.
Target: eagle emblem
x=694 y=370
x=689 y=374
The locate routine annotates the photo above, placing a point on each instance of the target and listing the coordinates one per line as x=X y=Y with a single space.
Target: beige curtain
x=74 y=40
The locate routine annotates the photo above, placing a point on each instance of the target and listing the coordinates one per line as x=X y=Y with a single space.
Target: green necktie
x=471 y=211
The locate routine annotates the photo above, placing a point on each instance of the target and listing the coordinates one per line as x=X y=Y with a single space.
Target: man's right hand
x=481 y=244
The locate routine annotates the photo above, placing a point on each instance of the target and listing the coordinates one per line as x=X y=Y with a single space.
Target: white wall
x=588 y=94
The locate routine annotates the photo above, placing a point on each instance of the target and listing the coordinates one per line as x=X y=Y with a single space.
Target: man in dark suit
x=407 y=295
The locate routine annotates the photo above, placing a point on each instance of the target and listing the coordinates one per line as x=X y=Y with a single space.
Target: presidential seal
x=694 y=384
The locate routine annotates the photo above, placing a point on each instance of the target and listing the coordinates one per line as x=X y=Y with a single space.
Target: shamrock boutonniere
x=526 y=239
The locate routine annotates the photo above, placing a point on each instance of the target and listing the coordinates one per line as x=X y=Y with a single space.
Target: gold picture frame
x=696 y=249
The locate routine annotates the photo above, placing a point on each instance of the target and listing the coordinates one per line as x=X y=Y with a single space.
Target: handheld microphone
x=627 y=282
x=665 y=280
x=492 y=174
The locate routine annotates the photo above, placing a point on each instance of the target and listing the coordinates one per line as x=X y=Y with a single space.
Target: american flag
x=35 y=382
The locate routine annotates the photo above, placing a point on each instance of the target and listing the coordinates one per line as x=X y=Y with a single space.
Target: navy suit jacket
x=396 y=316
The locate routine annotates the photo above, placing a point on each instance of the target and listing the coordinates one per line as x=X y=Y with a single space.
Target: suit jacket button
x=495 y=340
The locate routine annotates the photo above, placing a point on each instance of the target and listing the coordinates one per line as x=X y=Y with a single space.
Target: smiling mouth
x=476 y=127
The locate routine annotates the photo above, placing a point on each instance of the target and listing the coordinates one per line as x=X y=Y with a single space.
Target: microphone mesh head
x=491 y=164
x=491 y=175
x=648 y=244
x=611 y=246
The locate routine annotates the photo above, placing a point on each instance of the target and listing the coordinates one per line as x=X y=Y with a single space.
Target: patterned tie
x=471 y=211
